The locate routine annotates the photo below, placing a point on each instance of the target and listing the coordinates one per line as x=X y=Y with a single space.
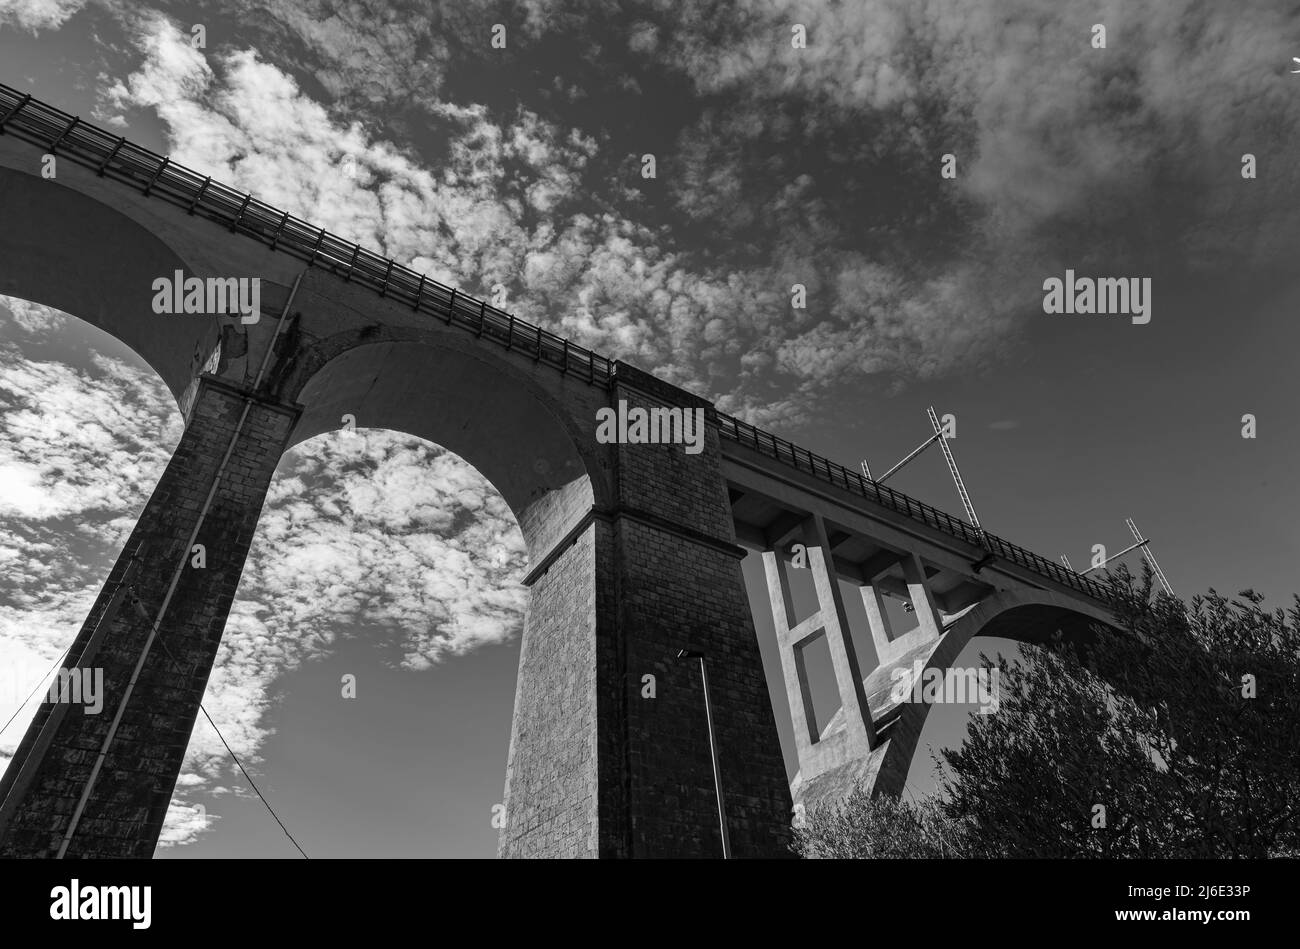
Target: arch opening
x=86 y=430
x=1032 y=618
x=899 y=690
x=379 y=612
x=501 y=422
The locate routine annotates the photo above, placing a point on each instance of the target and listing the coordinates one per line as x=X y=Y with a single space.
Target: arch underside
x=89 y=249
x=470 y=405
x=94 y=261
x=1032 y=618
x=70 y=252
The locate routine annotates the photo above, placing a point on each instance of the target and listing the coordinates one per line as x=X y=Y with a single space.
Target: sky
x=390 y=559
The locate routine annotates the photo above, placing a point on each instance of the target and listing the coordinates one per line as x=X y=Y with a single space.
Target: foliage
x=886 y=827
x=1178 y=737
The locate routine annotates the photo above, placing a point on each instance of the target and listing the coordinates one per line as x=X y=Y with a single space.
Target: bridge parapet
x=114 y=157
x=765 y=443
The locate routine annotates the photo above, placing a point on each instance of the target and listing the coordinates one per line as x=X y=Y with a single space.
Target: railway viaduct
x=634 y=549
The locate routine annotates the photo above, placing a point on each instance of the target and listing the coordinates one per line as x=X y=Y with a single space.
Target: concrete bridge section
x=634 y=549
x=958 y=582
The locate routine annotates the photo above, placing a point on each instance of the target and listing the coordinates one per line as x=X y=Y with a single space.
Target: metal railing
x=112 y=156
x=800 y=458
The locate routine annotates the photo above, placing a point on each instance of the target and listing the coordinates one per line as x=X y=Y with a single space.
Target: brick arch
x=645 y=565
x=441 y=387
x=1026 y=617
x=85 y=258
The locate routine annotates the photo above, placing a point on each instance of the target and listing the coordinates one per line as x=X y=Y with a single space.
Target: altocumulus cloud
x=372 y=529
x=816 y=166
x=83 y=439
x=36 y=15
x=1067 y=156
x=248 y=122
x=511 y=203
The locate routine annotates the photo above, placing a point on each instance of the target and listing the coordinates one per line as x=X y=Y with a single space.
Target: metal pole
x=924 y=445
x=1150 y=557
x=956 y=475
x=1141 y=543
x=717 y=771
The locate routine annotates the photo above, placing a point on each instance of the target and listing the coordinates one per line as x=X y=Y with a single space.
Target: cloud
x=1119 y=160
x=372 y=533
x=369 y=53
x=36 y=15
x=248 y=122
x=509 y=204
x=500 y=209
x=79 y=441
x=81 y=446
x=381 y=527
x=816 y=166
x=34 y=319
x=185 y=822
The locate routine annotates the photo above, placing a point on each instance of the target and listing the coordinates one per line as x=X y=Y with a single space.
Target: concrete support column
x=928 y=623
x=890 y=646
x=610 y=752
x=856 y=734
x=108 y=776
x=882 y=630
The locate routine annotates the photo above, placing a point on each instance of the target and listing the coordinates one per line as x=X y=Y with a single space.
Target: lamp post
x=713 y=748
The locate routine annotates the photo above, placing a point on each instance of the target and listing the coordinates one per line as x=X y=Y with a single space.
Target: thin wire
x=232 y=754
x=250 y=782
x=57 y=662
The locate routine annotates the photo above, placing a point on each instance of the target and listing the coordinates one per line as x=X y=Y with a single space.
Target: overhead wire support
x=916 y=451
x=1141 y=543
x=939 y=437
x=1150 y=557
x=952 y=468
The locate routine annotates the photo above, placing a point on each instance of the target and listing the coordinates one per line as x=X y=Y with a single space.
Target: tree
x=859 y=827
x=1177 y=737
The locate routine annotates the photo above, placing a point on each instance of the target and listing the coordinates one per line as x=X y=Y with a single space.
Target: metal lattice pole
x=952 y=468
